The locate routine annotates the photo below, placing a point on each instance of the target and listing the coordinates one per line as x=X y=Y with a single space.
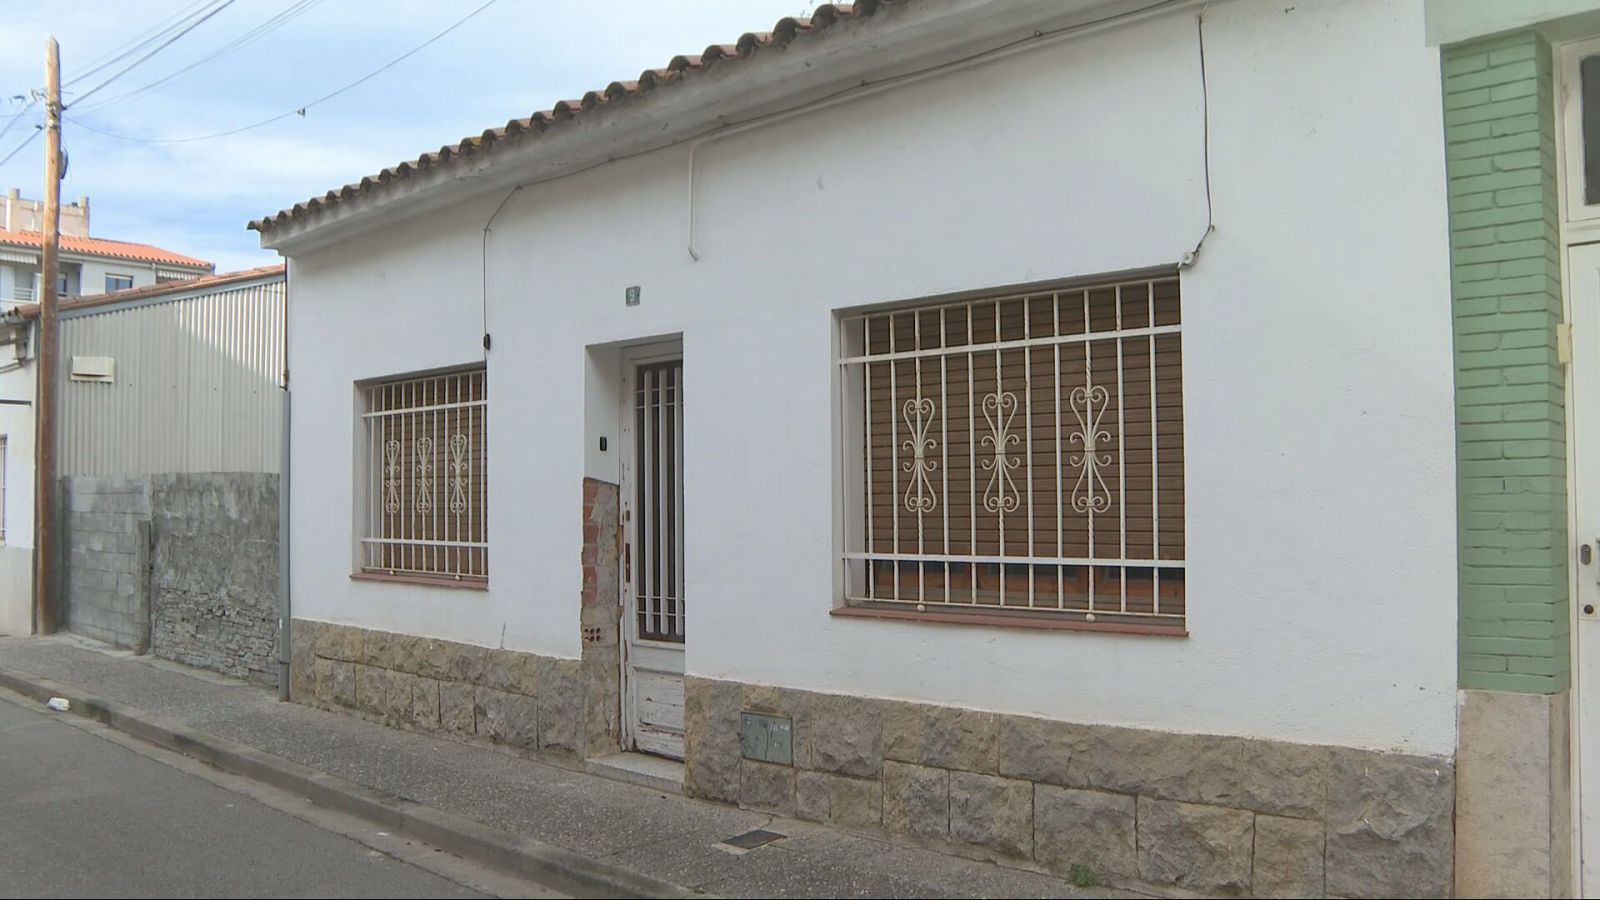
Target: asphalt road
x=86 y=815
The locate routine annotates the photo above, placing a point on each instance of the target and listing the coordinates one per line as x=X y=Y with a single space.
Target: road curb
x=555 y=867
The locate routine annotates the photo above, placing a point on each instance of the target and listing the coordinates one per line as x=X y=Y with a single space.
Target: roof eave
x=896 y=39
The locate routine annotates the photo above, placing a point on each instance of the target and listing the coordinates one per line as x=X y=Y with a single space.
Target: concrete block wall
x=106 y=563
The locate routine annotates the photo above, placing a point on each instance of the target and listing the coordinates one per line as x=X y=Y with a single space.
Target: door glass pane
x=1589 y=74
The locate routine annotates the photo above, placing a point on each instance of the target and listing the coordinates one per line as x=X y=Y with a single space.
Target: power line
x=285 y=16
x=164 y=45
x=18 y=149
x=18 y=117
x=144 y=39
x=299 y=110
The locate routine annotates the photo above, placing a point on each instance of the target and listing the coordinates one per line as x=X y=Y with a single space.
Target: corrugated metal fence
x=196 y=384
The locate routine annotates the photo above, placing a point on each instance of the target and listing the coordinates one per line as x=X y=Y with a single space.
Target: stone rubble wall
x=522 y=700
x=214 y=572
x=1131 y=807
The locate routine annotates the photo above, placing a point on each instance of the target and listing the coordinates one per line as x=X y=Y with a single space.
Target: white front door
x=652 y=558
x=1583 y=264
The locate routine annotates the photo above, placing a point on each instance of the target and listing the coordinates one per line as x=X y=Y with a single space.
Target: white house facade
x=1043 y=431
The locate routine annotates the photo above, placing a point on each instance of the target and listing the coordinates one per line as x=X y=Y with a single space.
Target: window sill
x=1005 y=621
x=459 y=584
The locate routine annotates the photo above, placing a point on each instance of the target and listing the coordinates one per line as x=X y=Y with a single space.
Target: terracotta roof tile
x=103 y=247
x=783 y=32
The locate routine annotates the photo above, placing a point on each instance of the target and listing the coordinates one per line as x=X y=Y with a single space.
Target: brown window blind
x=426 y=491
x=1021 y=454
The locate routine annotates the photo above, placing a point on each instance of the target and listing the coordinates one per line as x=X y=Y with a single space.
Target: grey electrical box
x=766 y=738
x=631 y=296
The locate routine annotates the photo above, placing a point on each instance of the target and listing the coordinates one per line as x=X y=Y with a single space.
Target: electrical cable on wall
x=1205 y=142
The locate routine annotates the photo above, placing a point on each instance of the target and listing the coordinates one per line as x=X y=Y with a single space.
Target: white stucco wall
x=16 y=552
x=1318 y=389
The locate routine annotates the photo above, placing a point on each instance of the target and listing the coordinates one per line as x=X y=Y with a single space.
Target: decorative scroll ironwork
x=1001 y=494
x=424 y=475
x=1089 y=492
x=391 y=476
x=920 y=496
x=458 y=473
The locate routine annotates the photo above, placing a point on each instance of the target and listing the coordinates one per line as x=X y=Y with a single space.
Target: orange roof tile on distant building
x=107 y=248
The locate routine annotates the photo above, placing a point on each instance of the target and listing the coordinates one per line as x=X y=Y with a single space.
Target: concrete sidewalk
x=591 y=834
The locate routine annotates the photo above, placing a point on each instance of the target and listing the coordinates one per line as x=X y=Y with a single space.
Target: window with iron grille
x=425 y=491
x=1017 y=455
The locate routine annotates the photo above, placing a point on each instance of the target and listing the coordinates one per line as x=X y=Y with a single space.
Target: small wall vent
x=94 y=368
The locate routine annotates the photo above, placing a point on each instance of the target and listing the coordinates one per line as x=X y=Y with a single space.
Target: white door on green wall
x=652 y=559
x=1583 y=293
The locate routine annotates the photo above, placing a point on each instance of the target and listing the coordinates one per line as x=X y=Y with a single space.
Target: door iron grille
x=658 y=502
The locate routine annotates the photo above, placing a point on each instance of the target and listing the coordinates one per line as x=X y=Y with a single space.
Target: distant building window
x=118 y=282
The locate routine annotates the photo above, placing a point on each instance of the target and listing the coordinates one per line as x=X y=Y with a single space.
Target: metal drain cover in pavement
x=753 y=839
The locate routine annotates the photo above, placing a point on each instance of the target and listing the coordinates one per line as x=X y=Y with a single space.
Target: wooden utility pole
x=45 y=591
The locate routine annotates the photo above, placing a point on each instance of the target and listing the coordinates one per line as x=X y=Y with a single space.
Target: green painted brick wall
x=1505 y=246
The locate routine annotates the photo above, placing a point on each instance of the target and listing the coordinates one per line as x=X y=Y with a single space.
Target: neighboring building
x=171 y=435
x=944 y=472
x=88 y=265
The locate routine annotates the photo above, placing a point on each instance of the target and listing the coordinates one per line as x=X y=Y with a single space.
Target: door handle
x=627 y=563
x=1586 y=558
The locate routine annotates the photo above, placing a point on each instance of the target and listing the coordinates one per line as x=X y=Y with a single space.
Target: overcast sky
x=513 y=58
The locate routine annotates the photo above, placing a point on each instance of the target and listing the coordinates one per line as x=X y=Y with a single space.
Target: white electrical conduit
x=1034 y=41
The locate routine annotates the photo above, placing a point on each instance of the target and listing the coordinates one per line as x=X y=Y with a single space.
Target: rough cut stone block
x=456 y=708
x=772 y=699
x=1202 y=848
x=711 y=735
x=840 y=734
x=995 y=813
x=509 y=670
x=945 y=736
x=1143 y=762
x=811 y=800
x=1085 y=828
x=1390 y=825
x=767 y=786
x=916 y=800
x=336 y=682
x=385 y=693
x=425 y=704
x=380 y=648
x=560 y=704
x=965 y=739
x=340 y=642
x=507 y=718
x=462 y=662
x=1265 y=776
x=1036 y=749
x=854 y=802
x=1288 y=858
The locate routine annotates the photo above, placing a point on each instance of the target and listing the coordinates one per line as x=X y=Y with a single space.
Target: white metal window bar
x=1020 y=454
x=426 y=491
x=658 y=502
